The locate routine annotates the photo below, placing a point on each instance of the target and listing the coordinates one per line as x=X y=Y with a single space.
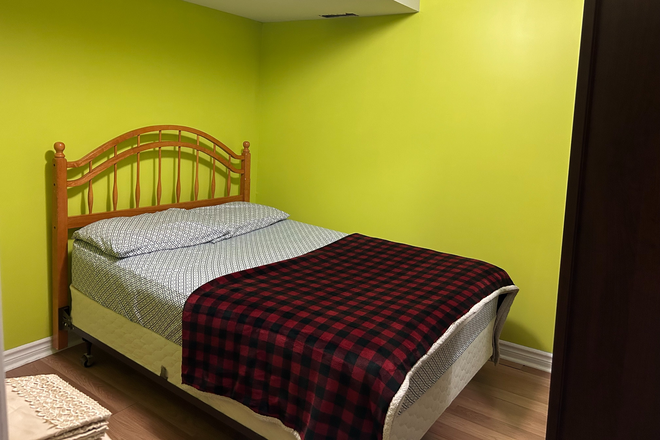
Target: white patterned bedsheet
x=151 y=289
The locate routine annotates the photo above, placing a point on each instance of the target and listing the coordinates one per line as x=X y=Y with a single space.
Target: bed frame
x=105 y=163
x=121 y=150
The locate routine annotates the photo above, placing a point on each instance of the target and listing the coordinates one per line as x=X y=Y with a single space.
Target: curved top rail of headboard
x=145 y=130
x=220 y=158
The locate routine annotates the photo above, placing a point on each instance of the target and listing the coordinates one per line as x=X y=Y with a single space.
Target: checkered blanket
x=324 y=341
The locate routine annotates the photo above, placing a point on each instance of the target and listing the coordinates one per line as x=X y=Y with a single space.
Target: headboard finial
x=59 y=149
x=246 y=146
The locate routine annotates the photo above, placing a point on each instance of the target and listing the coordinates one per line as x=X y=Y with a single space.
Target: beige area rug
x=46 y=407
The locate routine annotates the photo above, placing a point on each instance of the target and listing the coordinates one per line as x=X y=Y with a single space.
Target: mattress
x=151 y=289
x=433 y=396
x=134 y=305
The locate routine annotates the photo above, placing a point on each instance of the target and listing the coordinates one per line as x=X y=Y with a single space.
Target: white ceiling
x=290 y=10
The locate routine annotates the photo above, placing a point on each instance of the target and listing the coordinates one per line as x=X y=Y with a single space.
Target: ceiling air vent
x=346 y=14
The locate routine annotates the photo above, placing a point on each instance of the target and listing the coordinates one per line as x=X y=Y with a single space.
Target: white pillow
x=175 y=228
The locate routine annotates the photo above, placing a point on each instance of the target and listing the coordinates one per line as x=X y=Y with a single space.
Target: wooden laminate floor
x=501 y=403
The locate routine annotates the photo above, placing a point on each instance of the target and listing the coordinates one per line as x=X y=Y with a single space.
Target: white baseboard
x=19 y=356
x=530 y=357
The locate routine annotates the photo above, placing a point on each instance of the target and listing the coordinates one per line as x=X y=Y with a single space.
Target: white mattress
x=151 y=289
x=154 y=352
x=134 y=305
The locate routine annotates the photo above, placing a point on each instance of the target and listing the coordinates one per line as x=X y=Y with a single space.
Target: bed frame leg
x=87 y=359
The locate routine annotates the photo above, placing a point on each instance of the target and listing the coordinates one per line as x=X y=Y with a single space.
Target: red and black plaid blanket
x=324 y=341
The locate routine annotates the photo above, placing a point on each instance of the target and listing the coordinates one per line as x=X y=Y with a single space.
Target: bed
x=131 y=306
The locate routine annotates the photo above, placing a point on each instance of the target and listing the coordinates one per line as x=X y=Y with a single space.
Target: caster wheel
x=87 y=360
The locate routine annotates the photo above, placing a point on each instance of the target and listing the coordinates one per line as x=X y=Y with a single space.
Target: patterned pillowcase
x=128 y=236
x=174 y=228
x=239 y=217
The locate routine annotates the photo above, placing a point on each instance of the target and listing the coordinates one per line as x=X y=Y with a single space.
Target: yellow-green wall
x=449 y=129
x=81 y=72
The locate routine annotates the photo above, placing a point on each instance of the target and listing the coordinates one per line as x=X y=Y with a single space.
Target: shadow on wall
x=48 y=173
x=523 y=336
x=318 y=88
x=332 y=36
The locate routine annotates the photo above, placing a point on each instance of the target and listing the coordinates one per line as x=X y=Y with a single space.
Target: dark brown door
x=606 y=372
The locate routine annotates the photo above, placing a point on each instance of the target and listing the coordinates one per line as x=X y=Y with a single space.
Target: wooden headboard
x=121 y=151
